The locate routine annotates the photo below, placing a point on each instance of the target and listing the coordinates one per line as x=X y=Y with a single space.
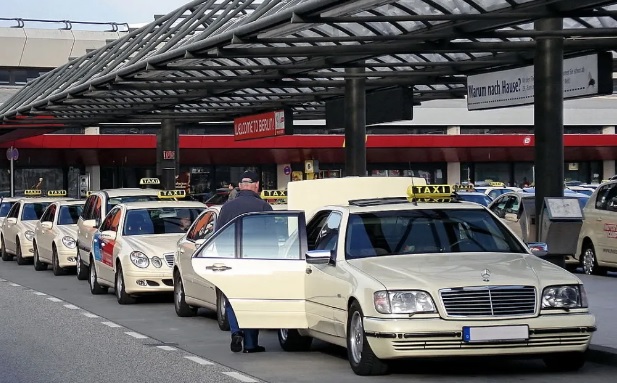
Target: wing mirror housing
x=318 y=257
x=46 y=225
x=199 y=242
x=539 y=249
x=511 y=217
x=90 y=223
x=11 y=220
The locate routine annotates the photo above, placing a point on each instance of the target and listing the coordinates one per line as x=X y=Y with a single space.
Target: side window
x=112 y=218
x=14 y=212
x=203 y=228
x=499 y=206
x=270 y=237
x=96 y=209
x=605 y=197
x=313 y=228
x=512 y=205
x=329 y=233
x=87 y=212
x=223 y=245
x=48 y=215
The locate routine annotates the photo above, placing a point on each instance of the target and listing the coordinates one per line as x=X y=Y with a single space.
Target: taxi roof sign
x=149 y=181
x=429 y=193
x=177 y=193
x=468 y=188
x=31 y=192
x=56 y=193
x=274 y=194
x=497 y=184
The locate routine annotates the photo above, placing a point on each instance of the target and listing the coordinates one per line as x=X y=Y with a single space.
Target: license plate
x=495 y=333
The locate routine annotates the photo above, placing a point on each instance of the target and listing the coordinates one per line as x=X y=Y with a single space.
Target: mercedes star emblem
x=486 y=275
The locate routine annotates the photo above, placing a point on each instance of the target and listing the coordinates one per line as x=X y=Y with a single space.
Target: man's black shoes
x=236 y=342
x=253 y=350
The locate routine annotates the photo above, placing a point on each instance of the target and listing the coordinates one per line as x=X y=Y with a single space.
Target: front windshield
x=5 y=207
x=69 y=214
x=166 y=220
x=427 y=231
x=33 y=211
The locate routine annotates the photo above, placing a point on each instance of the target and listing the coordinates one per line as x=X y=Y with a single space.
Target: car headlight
x=69 y=242
x=140 y=259
x=564 y=297
x=29 y=234
x=156 y=262
x=403 y=302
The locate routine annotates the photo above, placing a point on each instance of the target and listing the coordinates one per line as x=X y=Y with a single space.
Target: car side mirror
x=199 y=242
x=511 y=217
x=11 y=220
x=90 y=223
x=539 y=249
x=46 y=225
x=108 y=234
x=318 y=257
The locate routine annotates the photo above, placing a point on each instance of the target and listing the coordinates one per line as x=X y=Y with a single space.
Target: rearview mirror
x=539 y=249
x=46 y=225
x=318 y=257
x=108 y=234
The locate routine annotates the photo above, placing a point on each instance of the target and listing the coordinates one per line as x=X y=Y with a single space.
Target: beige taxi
x=391 y=278
x=134 y=247
x=5 y=205
x=55 y=237
x=17 y=230
x=597 y=242
x=97 y=205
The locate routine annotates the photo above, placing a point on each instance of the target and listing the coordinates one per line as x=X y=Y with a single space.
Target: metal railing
x=68 y=24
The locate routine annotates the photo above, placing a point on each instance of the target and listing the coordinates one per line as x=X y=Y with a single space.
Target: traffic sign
x=12 y=154
x=287 y=170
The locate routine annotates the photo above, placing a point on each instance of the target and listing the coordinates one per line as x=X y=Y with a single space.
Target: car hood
x=435 y=271
x=157 y=244
x=68 y=230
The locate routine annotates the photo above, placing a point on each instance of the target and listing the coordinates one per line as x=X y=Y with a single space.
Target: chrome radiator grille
x=489 y=301
x=169 y=258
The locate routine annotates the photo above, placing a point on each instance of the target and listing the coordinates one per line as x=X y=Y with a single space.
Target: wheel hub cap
x=356 y=337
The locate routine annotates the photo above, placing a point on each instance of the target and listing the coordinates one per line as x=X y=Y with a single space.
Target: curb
x=602 y=355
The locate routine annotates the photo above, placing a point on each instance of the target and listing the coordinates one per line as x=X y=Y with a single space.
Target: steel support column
x=168 y=156
x=355 y=123
x=548 y=114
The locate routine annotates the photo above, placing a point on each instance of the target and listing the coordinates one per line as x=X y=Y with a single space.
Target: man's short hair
x=249 y=177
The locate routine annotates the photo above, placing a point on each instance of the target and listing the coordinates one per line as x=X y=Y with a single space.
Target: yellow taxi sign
x=273 y=194
x=56 y=193
x=172 y=194
x=496 y=184
x=149 y=181
x=430 y=192
x=469 y=188
x=30 y=192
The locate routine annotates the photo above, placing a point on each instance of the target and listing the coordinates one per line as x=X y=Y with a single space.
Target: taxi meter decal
x=172 y=194
x=149 y=181
x=611 y=230
x=56 y=193
x=29 y=192
x=430 y=193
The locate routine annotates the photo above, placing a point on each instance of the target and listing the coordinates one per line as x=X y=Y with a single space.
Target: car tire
x=55 y=263
x=81 y=268
x=95 y=288
x=361 y=357
x=221 y=315
x=182 y=309
x=19 y=256
x=565 y=361
x=5 y=256
x=121 y=295
x=38 y=265
x=291 y=340
x=590 y=261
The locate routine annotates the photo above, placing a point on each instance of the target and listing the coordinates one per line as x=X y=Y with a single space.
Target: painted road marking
x=199 y=360
x=71 y=307
x=54 y=300
x=240 y=377
x=38 y=293
x=90 y=315
x=136 y=335
x=167 y=348
x=14 y=284
x=111 y=324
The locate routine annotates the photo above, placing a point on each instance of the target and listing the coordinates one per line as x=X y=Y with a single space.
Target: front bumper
x=140 y=282
x=435 y=337
x=27 y=249
x=67 y=257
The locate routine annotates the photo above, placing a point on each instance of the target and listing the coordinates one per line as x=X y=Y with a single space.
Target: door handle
x=218 y=267
x=599 y=219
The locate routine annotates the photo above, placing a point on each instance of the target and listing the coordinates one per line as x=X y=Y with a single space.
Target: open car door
x=257 y=261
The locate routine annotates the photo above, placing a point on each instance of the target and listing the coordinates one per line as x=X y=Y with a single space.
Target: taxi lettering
x=32 y=192
x=149 y=181
x=56 y=193
x=172 y=194
x=274 y=194
x=429 y=191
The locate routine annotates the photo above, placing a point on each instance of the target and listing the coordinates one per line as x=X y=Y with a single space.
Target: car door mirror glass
x=318 y=257
x=46 y=225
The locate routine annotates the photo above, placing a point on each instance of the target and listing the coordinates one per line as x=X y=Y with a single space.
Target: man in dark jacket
x=247 y=201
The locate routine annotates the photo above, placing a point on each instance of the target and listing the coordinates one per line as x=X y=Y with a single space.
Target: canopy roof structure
x=213 y=60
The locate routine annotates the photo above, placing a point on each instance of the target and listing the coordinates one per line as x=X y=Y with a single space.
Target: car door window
x=14 y=212
x=499 y=206
x=601 y=197
x=203 y=227
x=87 y=212
x=111 y=221
x=96 y=210
x=328 y=235
x=48 y=215
x=270 y=237
x=512 y=205
x=222 y=245
x=313 y=228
